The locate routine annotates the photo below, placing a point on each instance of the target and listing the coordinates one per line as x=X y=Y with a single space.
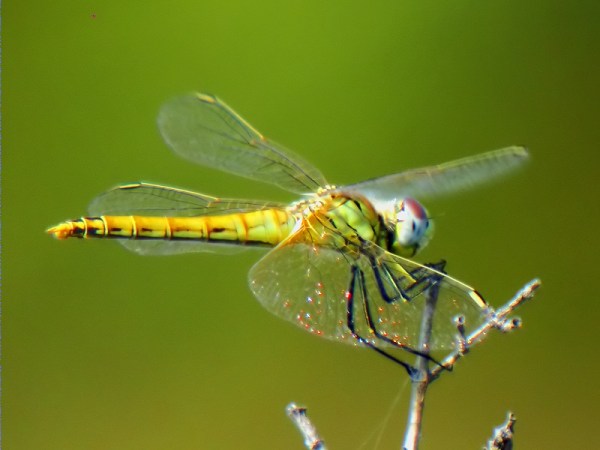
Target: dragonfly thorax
x=410 y=227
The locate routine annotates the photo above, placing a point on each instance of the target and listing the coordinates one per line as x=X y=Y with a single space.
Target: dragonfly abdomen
x=265 y=227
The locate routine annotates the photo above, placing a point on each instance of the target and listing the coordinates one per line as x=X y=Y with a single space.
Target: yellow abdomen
x=265 y=227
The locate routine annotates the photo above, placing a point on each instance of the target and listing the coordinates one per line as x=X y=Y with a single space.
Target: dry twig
x=503 y=435
x=422 y=376
x=297 y=414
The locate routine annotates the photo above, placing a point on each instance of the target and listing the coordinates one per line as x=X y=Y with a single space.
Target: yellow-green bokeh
x=103 y=349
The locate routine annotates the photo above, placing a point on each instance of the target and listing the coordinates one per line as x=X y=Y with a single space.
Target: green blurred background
x=104 y=349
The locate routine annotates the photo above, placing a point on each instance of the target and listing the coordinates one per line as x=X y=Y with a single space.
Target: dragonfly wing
x=148 y=199
x=443 y=179
x=402 y=320
x=309 y=285
x=153 y=247
x=203 y=129
x=154 y=200
x=305 y=285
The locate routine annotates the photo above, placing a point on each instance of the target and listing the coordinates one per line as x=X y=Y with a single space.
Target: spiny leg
x=351 y=325
x=424 y=272
x=359 y=277
x=373 y=327
x=423 y=279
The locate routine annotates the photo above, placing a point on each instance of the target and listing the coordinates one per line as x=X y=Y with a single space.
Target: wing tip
x=478 y=299
x=206 y=98
x=132 y=185
x=521 y=150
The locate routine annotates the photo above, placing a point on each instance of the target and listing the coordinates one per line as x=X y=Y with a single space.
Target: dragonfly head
x=412 y=227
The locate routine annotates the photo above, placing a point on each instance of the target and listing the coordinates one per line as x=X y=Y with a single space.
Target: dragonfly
x=341 y=261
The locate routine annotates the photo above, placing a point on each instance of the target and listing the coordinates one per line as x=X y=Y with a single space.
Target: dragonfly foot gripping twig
x=496 y=319
x=423 y=376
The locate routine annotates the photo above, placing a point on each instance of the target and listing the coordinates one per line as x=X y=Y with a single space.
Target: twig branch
x=496 y=319
x=503 y=435
x=421 y=376
x=297 y=414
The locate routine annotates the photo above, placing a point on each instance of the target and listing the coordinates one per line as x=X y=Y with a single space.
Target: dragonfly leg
x=423 y=272
x=351 y=324
x=373 y=327
x=357 y=278
x=387 y=281
x=421 y=280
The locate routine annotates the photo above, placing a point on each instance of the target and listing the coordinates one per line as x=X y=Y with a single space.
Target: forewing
x=443 y=179
x=402 y=321
x=310 y=286
x=203 y=129
x=146 y=199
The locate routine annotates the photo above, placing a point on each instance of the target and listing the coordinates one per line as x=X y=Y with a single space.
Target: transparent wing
x=148 y=199
x=203 y=129
x=154 y=200
x=312 y=286
x=442 y=179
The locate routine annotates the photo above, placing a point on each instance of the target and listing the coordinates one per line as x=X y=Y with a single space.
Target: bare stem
x=503 y=435
x=496 y=319
x=420 y=378
x=297 y=414
x=423 y=376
